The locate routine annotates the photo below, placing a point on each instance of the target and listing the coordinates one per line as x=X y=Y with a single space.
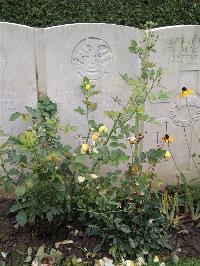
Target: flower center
x=184 y=89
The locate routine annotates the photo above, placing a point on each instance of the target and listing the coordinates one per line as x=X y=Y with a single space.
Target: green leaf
x=14 y=116
x=13 y=171
x=120 y=136
x=40 y=252
x=80 y=110
x=49 y=216
x=9 y=186
x=79 y=159
x=114 y=144
x=21 y=218
x=15 y=207
x=123 y=228
x=122 y=145
x=2 y=263
x=20 y=190
x=131 y=242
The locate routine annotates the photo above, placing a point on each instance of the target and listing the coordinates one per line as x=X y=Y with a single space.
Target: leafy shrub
x=124 y=213
x=38 y=170
x=56 y=180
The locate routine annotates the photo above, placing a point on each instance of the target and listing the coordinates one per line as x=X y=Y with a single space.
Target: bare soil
x=15 y=241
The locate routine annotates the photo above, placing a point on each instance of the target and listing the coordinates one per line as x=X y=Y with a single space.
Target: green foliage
x=124 y=212
x=52 y=180
x=38 y=174
x=43 y=13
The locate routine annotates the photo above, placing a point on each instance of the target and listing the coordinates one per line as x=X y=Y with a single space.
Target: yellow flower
x=28 y=139
x=136 y=169
x=168 y=139
x=88 y=87
x=156 y=259
x=103 y=130
x=95 y=136
x=84 y=148
x=52 y=157
x=168 y=155
x=132 y=140
x=185 y=92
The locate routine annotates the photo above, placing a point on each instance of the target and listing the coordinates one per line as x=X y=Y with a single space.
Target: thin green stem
x=189 y=150
x=137 y=131
x=179 y=171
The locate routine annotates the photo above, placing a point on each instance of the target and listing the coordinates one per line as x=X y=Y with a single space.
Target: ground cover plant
x=55 y=184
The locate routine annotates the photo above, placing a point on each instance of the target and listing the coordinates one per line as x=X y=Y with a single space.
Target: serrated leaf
x=79 y=110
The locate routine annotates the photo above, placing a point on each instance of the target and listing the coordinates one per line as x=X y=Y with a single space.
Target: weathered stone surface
x=61 y=56
x=98 y=51
x=17 y=73
x=178 y=53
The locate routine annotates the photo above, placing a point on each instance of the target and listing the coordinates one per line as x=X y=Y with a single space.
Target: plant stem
x=87 y=115
x=189 y=150
x=137 y=131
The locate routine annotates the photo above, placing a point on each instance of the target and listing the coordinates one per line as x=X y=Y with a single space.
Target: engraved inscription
x=186 y=112
x=3 y=59
x=183 y=50
x=92 y=57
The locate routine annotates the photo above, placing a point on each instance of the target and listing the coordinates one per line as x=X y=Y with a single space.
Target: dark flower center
x=184 y=89
x=166 y=136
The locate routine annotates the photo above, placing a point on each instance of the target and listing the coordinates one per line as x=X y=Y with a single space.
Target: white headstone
x=17 y=74
x=178 y=53
x=98 y=51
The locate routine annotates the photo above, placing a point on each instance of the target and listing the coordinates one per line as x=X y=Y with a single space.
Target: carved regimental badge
x=3 y=59
x=92 y=57
x=186 y=111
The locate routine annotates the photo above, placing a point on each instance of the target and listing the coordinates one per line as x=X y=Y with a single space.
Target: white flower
x=93 y=176
x=104 y=262
x=151 y=221
x=81 y=179
x=162 y=264
x=156 y=259
x=3 y=254
x=129 y=263
x=35 y=263
x=76 y=232
x=145 y=252
x=95 y=150
x=79 y=260
x=140 y=261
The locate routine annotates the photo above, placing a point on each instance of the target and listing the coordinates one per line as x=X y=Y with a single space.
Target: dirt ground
x=15 y=242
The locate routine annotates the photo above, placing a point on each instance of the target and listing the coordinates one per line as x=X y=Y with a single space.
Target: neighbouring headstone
x=17 y=74
x=178 y=53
